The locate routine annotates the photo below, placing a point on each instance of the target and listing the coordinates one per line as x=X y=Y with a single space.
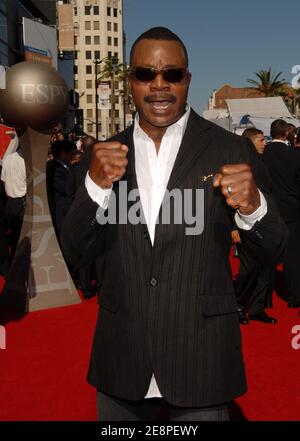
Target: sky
x=227 y=41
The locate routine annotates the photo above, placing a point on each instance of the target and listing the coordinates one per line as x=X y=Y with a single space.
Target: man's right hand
x=235 y=236
x=108 y=163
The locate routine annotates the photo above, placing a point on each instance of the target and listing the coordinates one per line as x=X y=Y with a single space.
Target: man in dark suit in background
x=4 y=255
x=255 y=281
x=13 y=175
x=283 y=163
x=168 y=330
x=57 y=180
x=77 y=172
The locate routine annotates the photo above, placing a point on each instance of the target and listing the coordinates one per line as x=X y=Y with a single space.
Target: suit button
x=153 y=282
x=146 y=235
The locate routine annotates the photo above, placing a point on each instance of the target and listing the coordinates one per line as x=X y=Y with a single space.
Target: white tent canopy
x=259 y=112
x=258 y=108
x=249 y=112
x=223 y=122
x=215 y=114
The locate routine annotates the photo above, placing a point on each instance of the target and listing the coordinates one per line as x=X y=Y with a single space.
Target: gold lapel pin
x=206 y=177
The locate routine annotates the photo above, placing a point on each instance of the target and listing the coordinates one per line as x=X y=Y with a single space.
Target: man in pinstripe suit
x=168 y=331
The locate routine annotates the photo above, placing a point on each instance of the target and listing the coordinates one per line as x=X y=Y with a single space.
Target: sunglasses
x=169 y=74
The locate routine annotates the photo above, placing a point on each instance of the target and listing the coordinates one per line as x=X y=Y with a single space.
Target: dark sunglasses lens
x=144 y=74
x=173 y=75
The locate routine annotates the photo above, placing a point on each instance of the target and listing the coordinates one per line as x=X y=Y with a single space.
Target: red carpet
x=43 y=368
x=273 y=368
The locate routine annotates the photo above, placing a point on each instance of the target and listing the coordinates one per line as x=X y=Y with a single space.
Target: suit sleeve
x=266 y=240
x=60 y=180
x=82 y=237
x=71 y=184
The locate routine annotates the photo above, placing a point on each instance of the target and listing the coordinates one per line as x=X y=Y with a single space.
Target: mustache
x=160 y=97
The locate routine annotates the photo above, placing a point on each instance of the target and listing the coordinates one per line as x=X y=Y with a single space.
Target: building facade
x=48 y=9
x=219 y=96
x=98 y=26
x=3 y=33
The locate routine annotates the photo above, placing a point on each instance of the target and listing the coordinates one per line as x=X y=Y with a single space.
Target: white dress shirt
x=14 y=175
x=153 y=172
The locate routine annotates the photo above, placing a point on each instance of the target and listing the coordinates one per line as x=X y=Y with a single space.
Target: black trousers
x=291 y=261
x=155 y=409
x=14 y=213
x=254 y=284
x=4 y=255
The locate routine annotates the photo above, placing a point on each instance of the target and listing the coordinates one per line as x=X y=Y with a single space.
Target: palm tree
x=124 y=92
x=296 y=102
x=268 y=83
x=115 y=71
x=293 y=101
x=295 y=92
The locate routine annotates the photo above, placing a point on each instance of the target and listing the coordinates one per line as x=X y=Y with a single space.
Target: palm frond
x=267 y=82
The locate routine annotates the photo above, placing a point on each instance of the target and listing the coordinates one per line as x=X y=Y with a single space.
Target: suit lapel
x=196 y=139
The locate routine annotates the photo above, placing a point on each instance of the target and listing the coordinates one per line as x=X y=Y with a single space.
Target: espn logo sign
x=2 y=338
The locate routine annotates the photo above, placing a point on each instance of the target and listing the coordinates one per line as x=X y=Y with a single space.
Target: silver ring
x=229 y=189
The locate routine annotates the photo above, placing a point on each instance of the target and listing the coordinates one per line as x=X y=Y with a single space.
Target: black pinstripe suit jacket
x=171 y=309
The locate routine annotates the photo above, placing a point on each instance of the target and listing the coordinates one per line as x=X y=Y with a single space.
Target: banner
x=65 y=27
x=128 y=119
x=104 y=96
x=40 y=42
x=32 y=54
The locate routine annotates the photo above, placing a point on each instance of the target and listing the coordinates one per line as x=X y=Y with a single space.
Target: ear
x=188 y=78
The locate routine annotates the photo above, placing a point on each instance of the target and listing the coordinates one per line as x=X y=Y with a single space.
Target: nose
x=159 y=83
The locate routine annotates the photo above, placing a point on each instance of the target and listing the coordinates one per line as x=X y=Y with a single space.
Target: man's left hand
x=237 y=184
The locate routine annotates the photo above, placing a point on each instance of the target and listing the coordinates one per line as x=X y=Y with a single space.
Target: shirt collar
x=178 y=126
x=282 y=141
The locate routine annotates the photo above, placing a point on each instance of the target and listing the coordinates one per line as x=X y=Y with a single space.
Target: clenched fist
x=108 y=163
x=237 y=184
